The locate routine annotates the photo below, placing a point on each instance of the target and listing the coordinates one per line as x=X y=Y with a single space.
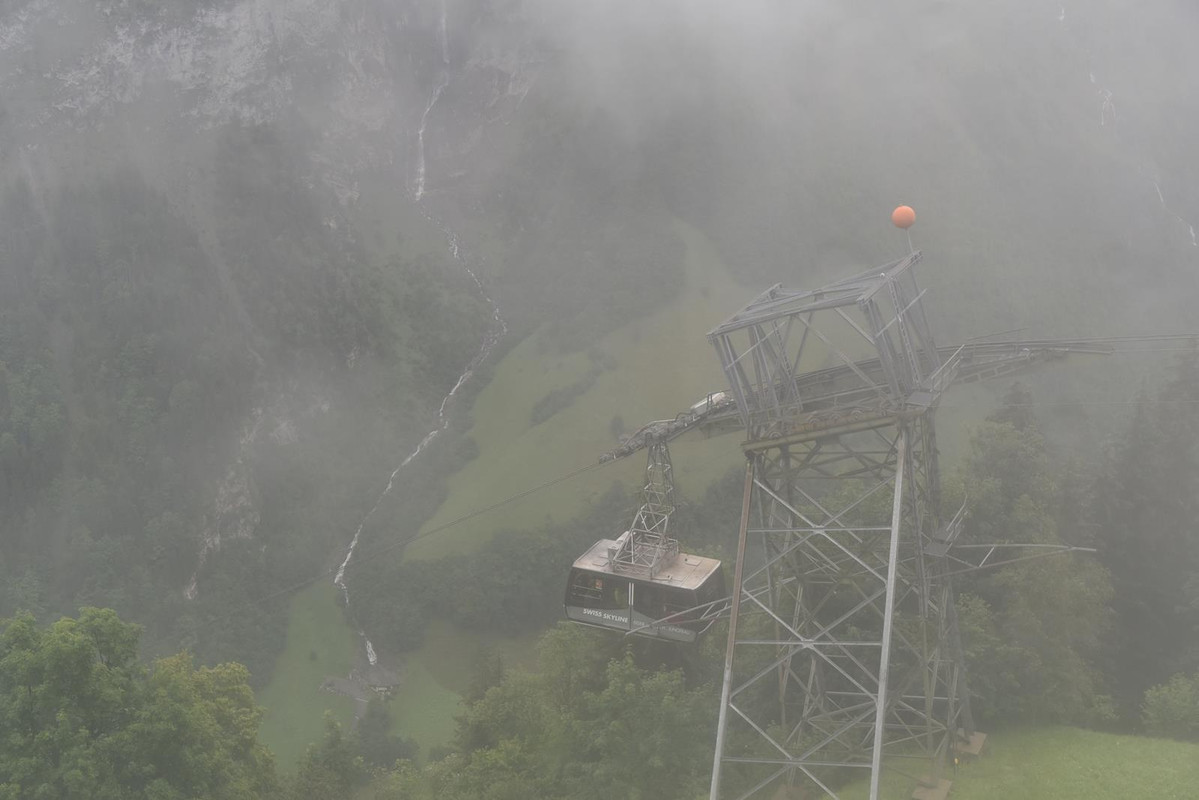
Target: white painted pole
x=727 y=685
x=876 y=764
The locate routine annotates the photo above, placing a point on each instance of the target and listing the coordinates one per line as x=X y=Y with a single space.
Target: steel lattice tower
x=843 y=643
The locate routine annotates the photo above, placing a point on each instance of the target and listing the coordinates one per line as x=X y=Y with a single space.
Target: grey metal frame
x=843 y=642
x=842 y=637
x=648 y=545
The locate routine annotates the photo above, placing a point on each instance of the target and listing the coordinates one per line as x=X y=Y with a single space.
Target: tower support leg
x=884 y=661
x=727 y=682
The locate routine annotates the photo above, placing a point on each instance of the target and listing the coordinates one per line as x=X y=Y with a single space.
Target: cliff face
x=97 y=82
x=219 y=276
x=224 y=223
x=759 y=124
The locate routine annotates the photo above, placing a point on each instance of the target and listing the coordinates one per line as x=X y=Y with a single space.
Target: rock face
x=358 y=73
x=223 y=62
x=234 y=513
x=362 y=95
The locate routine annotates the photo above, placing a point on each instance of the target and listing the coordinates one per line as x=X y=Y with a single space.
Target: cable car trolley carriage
x=640 y=582
x=673 y=603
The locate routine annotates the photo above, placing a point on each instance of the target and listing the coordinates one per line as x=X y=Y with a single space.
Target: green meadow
x=1058 y=763
x=436 y=676
x=650 y=369
x=319 y=644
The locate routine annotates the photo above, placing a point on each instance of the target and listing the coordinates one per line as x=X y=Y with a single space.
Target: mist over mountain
x=229 y=293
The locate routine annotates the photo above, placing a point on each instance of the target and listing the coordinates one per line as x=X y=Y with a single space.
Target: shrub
x=1172 y=708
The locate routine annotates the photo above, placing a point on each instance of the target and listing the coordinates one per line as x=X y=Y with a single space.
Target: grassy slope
x=295 y=705
x=293 y=699
x=425 y=708
x=659 y=366
x=1068 y=764
x=437 y=675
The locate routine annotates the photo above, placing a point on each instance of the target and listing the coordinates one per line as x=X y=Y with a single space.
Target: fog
x=279 y=276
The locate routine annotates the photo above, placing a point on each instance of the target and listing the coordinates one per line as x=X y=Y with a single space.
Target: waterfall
x=443 y=80
x=496 y=331
x=441 y=29
x=1108 y=117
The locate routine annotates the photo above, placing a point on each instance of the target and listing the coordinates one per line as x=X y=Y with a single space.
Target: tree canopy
x=82 y=718
x=1146 y=515
x=591 y=723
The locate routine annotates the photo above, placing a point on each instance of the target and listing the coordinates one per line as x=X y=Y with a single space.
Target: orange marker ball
x=903 y=217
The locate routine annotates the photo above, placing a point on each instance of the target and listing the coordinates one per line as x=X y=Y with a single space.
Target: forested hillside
x=154 y=440
x=254 y=252
x=606 y=714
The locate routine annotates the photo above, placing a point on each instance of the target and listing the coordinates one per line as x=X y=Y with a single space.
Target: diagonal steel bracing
x=842 y=638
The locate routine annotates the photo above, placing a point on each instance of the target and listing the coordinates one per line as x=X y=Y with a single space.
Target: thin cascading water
x=496 y=331
x=444 y=36
x=443 y=80
x=1109 y=118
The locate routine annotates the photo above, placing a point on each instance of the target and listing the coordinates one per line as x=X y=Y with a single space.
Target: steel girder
x=843 y=643
x=842 y=636
x=648 y=546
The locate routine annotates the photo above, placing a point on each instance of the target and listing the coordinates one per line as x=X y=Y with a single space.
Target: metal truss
x=647 y=546
x=843 y=641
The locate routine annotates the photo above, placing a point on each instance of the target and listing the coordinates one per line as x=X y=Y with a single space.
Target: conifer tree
x=1146 y=509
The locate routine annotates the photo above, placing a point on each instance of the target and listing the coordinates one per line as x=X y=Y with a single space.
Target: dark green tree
x=330 y=770
x=83 y=719
x=592 y=723
x=1172 y=709
x=373 y=738
x=1146 y=510
x=1032 y=630
x=1016 y=408
x=489 y=671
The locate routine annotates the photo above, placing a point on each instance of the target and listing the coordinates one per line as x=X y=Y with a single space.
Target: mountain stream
x=496 y=331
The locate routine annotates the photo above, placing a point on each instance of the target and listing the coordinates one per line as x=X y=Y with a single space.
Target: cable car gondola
x=640 y=582
x=668 y=605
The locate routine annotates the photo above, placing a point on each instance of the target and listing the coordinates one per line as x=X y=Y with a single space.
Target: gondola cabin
x=674 y=603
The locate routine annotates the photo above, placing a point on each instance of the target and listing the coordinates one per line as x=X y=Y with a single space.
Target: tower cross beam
x=843 y=526
x=836 y=390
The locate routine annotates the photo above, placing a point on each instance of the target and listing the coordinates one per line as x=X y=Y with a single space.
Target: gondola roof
x=685 y=571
